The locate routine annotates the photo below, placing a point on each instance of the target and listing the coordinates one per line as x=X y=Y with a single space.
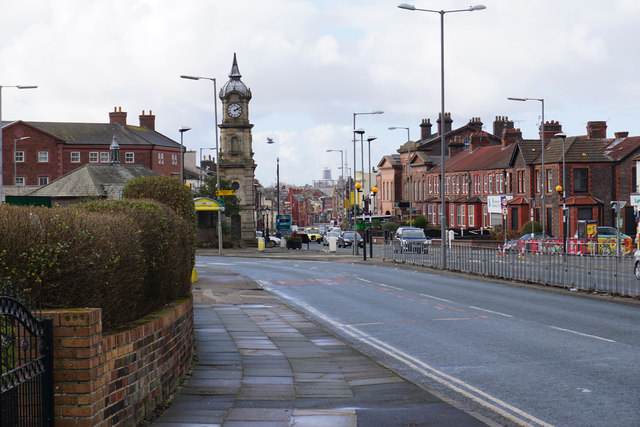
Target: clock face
x=234 y=110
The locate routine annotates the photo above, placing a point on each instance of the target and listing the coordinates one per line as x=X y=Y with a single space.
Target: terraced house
x=502 y=179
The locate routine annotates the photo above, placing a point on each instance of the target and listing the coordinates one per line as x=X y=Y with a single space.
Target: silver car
x=410 y=239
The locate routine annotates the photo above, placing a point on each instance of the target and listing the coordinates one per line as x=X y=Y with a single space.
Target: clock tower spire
x=236 y=152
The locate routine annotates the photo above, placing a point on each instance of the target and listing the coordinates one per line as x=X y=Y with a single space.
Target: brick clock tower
x=236 y=153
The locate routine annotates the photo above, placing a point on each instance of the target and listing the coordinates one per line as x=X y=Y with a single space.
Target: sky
x=312 y=64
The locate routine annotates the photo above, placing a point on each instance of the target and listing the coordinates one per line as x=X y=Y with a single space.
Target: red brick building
x=36 y=153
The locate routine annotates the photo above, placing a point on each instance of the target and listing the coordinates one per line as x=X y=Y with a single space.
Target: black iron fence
x=26 y=364
x=589 y=272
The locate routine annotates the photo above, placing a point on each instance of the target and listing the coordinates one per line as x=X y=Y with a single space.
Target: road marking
x=363 y=280
x=490 y=311
x=439 y=299
x=581 y=334
x=508 y=411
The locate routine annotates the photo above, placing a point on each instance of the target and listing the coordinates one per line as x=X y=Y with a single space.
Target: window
x=75 y=157
x=499 y=183
x=485 y=184
x=43 y=180
x=104 y=157
x=485 y=218
x=458 y=178
x=430 y=184
x=19 y=157
x=174 y=159
x=93 y=157
x=43 y=156
x=466 y=142
x=129 y=157
x=447 y=185
x=584 y=213
x=550 y=186
x=20 y=180
x=476 y=184
x=461 y=216
x=452 y=215
x=538 y=180
x=472 y=222
x=491 y=186
x=161 y=158
x=580 y=180
x=440 y=215
x=520 y=181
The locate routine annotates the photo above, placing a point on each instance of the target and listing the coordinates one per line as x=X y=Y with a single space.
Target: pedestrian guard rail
x=541 y=262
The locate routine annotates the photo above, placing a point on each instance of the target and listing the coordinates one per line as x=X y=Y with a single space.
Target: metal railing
x=588 y=272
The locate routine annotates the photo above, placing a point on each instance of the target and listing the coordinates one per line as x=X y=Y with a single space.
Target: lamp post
x=15 y=163
x=354 y=156
x=271 y=141
x=542 y=173
x=374 y=191
x=565 y=212
x=356 y=185
x=215 y=110
x=369 y=139
x=443 y=216
x=1 y=126
x=182 y=130
x=409 y=163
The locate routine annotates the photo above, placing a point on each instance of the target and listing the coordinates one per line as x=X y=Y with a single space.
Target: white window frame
x=75 y=156
x=43 y=157
x=19 y=157
x=174 y=159
x=461 y=216
x=20 y=181
x=129 y=157
x=94 y=157
x=104 y=157
x=161 y=158
x=452 y=215
x=472 y=222
x=43 y=180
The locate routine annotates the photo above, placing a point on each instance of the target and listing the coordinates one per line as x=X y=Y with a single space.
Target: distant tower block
x=326 y=173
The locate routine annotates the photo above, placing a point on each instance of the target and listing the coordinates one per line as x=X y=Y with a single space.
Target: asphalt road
x=516 y=355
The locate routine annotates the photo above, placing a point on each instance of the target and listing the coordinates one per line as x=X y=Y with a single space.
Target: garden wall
x=117 y=379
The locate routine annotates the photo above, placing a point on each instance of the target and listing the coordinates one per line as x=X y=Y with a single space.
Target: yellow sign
x=205 y=204
x=224 y=193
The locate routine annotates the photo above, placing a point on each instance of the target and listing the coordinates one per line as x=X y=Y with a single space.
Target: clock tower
x=236 y=152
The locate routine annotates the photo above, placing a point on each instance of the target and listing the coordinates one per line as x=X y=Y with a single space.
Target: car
x=314 y=235
x=327 y=237
x=410 y=239
x=346 y=238
x=607 y=240
x=273 y=240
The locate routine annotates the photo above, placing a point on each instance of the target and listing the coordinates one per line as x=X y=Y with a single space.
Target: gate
x=26 y=363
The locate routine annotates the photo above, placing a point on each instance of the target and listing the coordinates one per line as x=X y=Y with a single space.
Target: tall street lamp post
x=15 y=162
x=182 y=130
x=215 y=110
x=1 y=126
x=443 y=217
x=409 y=163
x=369 y=139
x=542 y=173
x=354 y=160
x=271 y=141
x=357 y=193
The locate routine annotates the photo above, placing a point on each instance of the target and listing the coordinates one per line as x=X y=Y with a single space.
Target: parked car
x=327 y=236
x=314 y=235
x=346 y=238
x=273 y=240
x=410 y=239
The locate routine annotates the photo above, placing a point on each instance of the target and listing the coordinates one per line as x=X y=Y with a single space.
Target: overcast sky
x=311 y=64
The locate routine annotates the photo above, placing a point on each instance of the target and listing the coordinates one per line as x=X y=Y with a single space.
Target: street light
x=542 y=173
x=355 y=251
x=369 y=139
x=271 y=141
x=15 y=163
x=1 y=126
x=409 y=163
x=357 y=198
x=182 y=130
x=215 y=109
x=443 y=217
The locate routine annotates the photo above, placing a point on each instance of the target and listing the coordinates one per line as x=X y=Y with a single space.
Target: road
x=517 y=355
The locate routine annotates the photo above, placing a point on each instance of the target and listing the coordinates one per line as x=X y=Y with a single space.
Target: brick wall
x=107 y=380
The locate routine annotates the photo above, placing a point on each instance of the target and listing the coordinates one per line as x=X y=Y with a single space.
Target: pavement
x=259 y=363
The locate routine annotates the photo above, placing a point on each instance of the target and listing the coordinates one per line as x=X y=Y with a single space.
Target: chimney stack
x=148 y=120
x=456 y=146
x=425 y=129
x=550 y=129
x=596 y=130
x=621 y=135
x=475 y=121
x=118 y=116
x=511 y=135
x=447 y=123
x=500 y=124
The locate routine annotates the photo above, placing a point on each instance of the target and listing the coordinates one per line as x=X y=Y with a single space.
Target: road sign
x=504 y=211
x=224 y=193
x=504 y=201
